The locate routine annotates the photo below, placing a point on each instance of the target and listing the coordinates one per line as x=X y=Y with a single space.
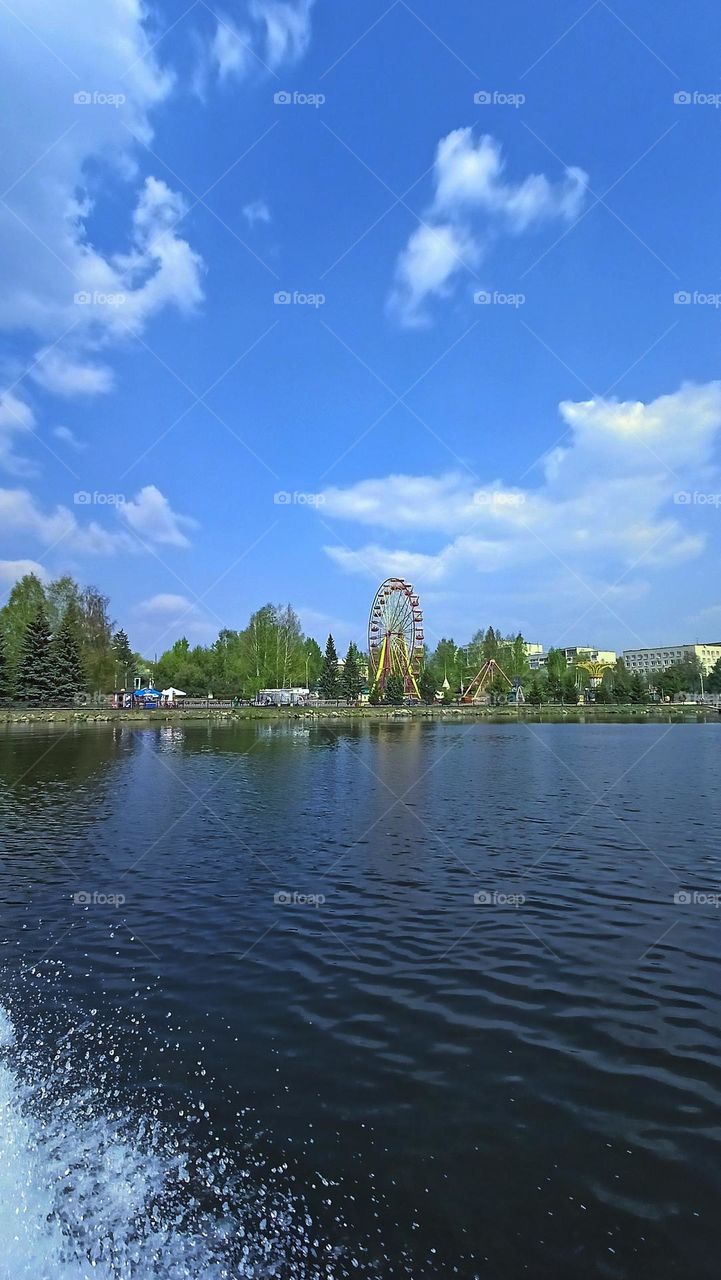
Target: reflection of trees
x=54 y=784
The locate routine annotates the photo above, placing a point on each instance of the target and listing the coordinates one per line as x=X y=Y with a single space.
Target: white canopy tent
x=172 y=695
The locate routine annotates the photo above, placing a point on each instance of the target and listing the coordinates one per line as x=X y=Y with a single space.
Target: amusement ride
x=395 y=637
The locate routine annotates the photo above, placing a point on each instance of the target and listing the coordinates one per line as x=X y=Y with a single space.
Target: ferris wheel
x=395 y=636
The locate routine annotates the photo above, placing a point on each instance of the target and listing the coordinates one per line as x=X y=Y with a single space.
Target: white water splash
x=91 y=1189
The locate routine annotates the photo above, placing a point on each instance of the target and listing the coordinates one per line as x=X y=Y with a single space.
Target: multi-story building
x=531 y=648
x=574 y=654
x=654 y=661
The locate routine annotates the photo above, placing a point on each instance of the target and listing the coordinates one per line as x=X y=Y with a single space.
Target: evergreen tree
x=352 y=680
x=427 y=685
x=394 y=691
x=65 y=660
x=638 y=691
x=35 y=674
x=329 y=683
x=620 y=683
x=5 y=685
x=569 y=689
x=534 y=695
x=122 y=652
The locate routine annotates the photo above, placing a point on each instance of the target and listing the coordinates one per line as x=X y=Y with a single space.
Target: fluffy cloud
x=149 y=515
x=65 y=376
x=12 y=570
x=153 y=519
x=83 y=79
x=165 y=605
x=606 y=497
x=470 y=183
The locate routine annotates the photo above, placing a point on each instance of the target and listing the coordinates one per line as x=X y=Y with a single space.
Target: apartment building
x=655 y=660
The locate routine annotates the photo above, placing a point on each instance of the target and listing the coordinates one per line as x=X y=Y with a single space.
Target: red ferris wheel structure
x=395 y=636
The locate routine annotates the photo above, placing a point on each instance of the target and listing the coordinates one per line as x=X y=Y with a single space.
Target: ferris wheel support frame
x=395 y=636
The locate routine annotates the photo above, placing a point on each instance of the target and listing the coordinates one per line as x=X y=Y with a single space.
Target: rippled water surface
x=420 y=1000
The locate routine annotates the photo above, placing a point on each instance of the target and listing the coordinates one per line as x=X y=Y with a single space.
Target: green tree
x=35 y=672
x=620 y=683
x=312 y=662
x=569 y=689
x=65 y=660
x=713 y=683
x=96 y=632
x=5 y=690
x=638 y=689
x=680 y=677
x=61 y=595
x=329 y=682
x=26 y=597
x=122 y=655
x=535 y=692
x=352 y=680
x=556 y=667
x=427 y=685
x=394 y=690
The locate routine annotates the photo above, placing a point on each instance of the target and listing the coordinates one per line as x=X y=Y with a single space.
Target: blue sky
x=496 y=375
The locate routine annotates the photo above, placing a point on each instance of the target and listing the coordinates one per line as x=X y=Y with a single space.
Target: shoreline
x=556 y=712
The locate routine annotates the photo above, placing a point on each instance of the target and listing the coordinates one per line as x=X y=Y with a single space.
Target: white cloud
x=66 y=436
x=12 y=570
x=286 y=25
x=469 y=175
x=67 y=377
x=606 y=499
x=426 y=266
x=276 y=33
x=16 y=418
x=166 y=616
x=20 y=514
x=55 y=169
x=469 y=180
x=165 y=604
x=150 y=515
x=256 y=211
x=152 y=518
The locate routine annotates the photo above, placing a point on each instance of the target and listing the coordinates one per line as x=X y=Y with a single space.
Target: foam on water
x=92 y=1185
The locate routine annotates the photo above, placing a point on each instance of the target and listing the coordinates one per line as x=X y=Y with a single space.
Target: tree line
x=57 y=640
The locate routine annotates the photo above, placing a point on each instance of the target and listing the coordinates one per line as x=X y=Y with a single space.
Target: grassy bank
x=69 y=715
